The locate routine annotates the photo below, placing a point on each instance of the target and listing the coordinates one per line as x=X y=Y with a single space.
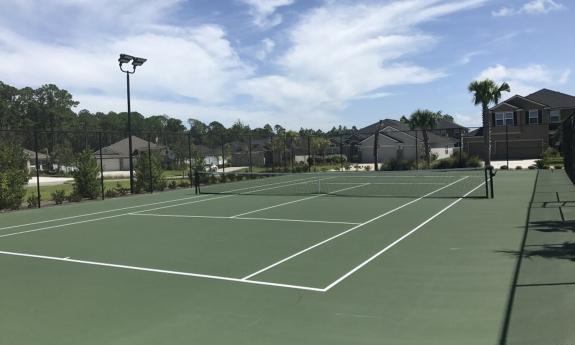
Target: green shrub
x=367 y=168
x=86 y=175
x=121 y=190
x=457 y=161
x=395 y=164
x=148 y=170
x=13 y=176
x=519 y=167
x=540 y=164
x=531 y=167
x=75 y=197
x=32 y=201
x=111 y=193
x=173 y=184
x=504 y=167
x=184 y=184
x=58 y=196
x=558 y=167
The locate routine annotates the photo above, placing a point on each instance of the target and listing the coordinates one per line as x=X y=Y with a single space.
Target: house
x=116 y=157
x=522 y=127
x=397 y=141
x=31 y=160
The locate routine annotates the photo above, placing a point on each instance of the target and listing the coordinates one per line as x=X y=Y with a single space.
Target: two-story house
x=523 y=127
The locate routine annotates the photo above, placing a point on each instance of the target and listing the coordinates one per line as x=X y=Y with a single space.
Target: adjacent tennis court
x=331 y=258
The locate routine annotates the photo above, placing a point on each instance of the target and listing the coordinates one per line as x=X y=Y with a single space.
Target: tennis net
x=452 y=183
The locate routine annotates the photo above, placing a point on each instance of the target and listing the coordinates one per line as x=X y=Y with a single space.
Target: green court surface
x=267 y=268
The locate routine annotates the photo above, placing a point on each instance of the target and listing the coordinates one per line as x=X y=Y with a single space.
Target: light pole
x=136 y=61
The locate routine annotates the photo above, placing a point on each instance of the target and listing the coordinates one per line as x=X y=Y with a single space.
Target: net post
x=491 y=176
x=151 y=181
x=318 y=184
x=101 y=164
x=37 y=169
x=190 y=158
x=486 y=182
x=196 y=183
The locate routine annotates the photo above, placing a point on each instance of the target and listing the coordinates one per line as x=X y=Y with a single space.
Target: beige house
x=523 y=127
x=116 y=157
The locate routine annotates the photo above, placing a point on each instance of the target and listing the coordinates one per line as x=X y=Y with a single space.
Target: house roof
x=553 y=99
x=122 y=148
x=401 y=132
x=32 y=154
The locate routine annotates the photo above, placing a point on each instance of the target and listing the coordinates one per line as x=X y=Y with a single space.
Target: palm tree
x=423 y=120
x=486 y=92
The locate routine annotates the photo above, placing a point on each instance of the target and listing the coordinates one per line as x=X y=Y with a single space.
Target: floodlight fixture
x=125 y=58
x=137 y=61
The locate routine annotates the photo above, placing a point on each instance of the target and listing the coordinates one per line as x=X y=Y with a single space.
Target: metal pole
x=341 y=151
x=491 y=175
x=416 y=151
x=507 y=145
x=101 y=164
x=130 y=135
x=273 y=153
x=285 y=152
x=250 y=151
x=460 y=149
x=486 y=182
x=223 y=156
x=39 y=198
x=309 y=160
x=150 y=164
x=190 y=157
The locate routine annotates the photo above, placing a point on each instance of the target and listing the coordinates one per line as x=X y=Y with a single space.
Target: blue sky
x=298 y=63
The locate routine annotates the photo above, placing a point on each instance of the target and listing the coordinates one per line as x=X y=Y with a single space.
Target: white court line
x=243 y=218
x=124 y=214
x=299 y=200
x=131 y=207
x=94 y=219
x=386 y=183
x=348 y=230
x=177 y=273
x=399 y=240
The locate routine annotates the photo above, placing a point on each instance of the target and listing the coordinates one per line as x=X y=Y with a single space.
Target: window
x=555 y=116
x=534 y=117
x=504 y=119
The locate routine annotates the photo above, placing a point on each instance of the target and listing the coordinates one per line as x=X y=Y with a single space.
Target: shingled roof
x=553 y=99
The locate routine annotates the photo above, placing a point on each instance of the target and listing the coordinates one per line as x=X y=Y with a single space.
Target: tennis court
x=356 y=258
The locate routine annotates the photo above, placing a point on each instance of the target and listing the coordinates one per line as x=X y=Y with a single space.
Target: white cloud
x=266 y=47
x=525 y=80
x=531 y=7
x=341 y=52
x=264 y=11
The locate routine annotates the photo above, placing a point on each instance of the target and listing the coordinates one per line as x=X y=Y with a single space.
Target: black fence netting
x=163 y=160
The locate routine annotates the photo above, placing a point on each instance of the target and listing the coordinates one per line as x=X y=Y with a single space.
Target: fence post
x=273 y=153
x=250 y=151
x=416 y=151
x=341 y=151
x=101 y=164
x=223 y=156
x=190 y=158
x=507 y=145
x=39 y=198
x=309 y=160
x=460 y=149
x=285 y=152
x=151 y=182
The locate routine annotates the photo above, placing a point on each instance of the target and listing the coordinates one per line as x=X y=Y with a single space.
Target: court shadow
x=552 y=226
x=561 y=251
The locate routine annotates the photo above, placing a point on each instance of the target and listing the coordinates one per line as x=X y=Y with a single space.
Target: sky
x=297 y=63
